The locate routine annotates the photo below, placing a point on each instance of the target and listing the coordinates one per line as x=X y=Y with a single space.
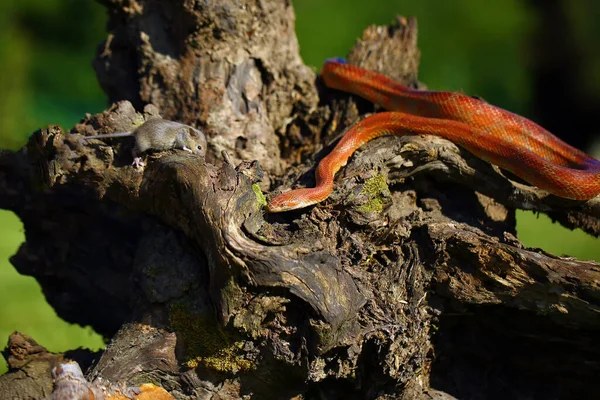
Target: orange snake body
x=498 y=136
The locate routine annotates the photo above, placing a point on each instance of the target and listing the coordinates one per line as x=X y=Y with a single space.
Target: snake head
x=283 y=202
x=287 y=201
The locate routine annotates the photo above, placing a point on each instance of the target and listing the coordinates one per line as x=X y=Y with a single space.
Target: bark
x=408 y=283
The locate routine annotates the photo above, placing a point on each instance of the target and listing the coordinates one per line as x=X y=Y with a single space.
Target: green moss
x=227 y=360
x=374 y=189
x=367 y=261
x=145 y=378
x=259 y=194
x=207 y=344
x=232 y=294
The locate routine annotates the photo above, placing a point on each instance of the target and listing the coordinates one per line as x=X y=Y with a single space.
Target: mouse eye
x=199 y=147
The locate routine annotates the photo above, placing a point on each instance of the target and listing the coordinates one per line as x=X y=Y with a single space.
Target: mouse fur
x=159 y=134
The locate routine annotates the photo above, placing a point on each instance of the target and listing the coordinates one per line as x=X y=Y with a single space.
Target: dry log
x=409 y=283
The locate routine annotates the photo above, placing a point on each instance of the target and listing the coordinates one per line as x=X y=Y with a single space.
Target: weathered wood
x=408 y=280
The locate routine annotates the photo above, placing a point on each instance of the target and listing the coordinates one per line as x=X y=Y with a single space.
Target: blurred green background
x=482 y=48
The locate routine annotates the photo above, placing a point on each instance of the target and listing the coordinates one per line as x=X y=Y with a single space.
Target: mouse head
x=191 y=138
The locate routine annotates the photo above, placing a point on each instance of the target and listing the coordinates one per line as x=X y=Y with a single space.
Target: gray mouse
x=161 y=134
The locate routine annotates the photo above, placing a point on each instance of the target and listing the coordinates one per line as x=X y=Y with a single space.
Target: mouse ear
x=193 y=132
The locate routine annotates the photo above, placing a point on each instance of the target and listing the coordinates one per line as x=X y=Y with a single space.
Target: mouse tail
x=109 y=135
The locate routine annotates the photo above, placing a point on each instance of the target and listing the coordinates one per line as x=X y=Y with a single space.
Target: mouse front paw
x=138 y=163
x=186 y=149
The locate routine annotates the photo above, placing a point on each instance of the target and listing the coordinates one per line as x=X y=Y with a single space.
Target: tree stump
x=408 y=283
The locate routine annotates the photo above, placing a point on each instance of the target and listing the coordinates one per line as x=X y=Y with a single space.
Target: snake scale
x=500 y=137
